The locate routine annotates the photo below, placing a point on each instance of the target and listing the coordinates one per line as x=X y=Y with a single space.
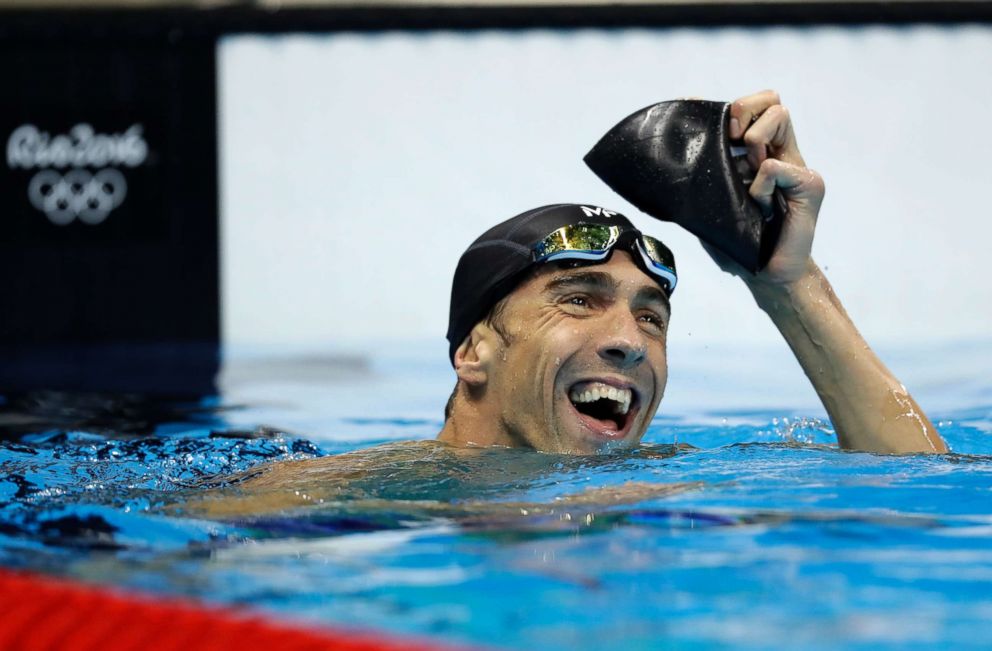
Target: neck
x=471 y=425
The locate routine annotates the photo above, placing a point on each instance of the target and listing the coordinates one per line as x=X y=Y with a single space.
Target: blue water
x=773 y=538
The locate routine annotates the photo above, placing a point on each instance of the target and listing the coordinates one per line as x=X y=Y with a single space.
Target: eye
x=578 y=304
x=653 y=320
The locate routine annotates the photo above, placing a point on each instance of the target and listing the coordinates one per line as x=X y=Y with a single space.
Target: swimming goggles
x=584 y=241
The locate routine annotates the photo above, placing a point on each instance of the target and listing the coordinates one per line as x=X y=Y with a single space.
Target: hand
x=766 y=129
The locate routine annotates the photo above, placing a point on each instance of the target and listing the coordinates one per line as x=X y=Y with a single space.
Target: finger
x=772 y=136
x=746 y=110
x=803 y=190
x=797 y=184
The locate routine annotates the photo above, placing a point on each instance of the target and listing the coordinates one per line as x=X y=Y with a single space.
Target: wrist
x=774 y=293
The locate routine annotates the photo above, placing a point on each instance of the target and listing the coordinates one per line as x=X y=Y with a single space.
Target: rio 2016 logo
x=91 y=186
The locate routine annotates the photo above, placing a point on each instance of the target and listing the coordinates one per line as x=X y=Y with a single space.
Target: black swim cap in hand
x=676 y=162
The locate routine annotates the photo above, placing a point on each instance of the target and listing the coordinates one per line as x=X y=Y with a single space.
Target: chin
x=580 y=440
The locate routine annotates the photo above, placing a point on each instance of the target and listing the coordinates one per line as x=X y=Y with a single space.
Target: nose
x=623 y=344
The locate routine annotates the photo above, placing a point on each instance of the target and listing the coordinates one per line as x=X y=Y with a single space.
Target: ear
x=474 y=355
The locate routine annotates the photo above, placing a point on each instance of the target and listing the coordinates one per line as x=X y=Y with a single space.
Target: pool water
x=739 y=524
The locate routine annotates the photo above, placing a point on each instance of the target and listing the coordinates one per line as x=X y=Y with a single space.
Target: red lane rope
x=44 y=614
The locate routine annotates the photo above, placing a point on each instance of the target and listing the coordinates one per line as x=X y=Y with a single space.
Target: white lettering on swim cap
x=592 y=211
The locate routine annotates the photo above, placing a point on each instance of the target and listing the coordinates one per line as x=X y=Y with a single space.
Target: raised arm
x=870 y=409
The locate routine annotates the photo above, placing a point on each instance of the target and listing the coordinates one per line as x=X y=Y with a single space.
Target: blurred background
x=291 y=177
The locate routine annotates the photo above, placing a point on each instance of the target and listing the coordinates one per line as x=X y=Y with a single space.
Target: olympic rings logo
x=90 y=197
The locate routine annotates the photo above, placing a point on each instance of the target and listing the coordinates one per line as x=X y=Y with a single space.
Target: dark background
x=132 y=304
x=129 y=304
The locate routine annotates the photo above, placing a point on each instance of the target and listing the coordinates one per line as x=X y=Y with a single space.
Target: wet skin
x=421 y=479
x=569 y=330
x=600 y=325
x=607 y=323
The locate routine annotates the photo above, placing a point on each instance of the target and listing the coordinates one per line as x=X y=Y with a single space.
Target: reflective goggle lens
x=589 y=241
x=595 y=241
x=659 y=260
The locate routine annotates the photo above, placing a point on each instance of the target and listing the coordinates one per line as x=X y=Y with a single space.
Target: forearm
x=869 y=408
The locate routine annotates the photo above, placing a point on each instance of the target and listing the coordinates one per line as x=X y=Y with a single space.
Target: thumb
x=802 y=187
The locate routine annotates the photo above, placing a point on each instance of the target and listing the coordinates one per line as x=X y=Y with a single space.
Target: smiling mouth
x=605 y=408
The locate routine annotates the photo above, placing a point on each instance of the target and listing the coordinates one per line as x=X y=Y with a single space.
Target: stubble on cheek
x=532 y=359
x=659 y=378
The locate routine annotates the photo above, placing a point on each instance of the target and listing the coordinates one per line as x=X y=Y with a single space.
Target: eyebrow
x=653 y=295
x=601 y=281
x=591 y=279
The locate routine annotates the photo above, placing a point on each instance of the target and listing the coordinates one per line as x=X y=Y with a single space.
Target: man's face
x=585 y=367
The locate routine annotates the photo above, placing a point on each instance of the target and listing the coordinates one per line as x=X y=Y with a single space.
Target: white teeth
x=622 y=405
x=621 y=397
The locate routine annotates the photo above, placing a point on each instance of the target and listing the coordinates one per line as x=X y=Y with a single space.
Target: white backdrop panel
x=356 y=168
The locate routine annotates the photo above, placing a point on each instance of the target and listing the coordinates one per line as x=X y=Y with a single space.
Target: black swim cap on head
x=498 y=260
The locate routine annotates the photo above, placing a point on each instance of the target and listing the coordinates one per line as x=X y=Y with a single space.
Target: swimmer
x=559 y=324
x=559 y=351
